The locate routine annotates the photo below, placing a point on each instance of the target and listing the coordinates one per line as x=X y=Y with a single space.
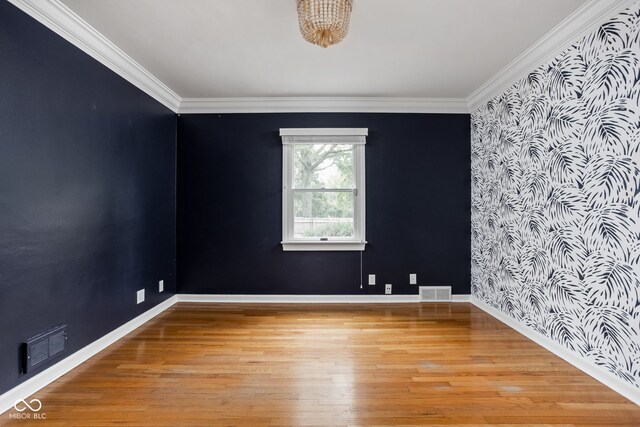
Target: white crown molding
x=584 y=20
x=599 y=373
x=309 y=299
x=323 y=105
x=64 y=22
x=32 y=385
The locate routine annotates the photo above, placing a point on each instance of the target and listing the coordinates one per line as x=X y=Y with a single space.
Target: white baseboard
x=309 y=299
x=599 y=373
x=32 y=385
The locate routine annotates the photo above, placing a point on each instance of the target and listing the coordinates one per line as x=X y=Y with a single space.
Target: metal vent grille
x=43 y=347
x=39 y=352
x=435 y=293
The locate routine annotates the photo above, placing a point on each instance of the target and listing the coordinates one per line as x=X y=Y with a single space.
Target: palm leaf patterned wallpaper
x=556 y=198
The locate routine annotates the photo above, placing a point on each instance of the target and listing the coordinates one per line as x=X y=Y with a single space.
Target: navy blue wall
x=87 y=193
x=229 y=206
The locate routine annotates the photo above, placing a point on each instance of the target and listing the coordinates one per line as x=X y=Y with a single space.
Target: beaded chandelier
x=324 y=22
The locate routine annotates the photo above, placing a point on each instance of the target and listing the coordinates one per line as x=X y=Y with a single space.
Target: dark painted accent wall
x=87 y=193
x=229 y=206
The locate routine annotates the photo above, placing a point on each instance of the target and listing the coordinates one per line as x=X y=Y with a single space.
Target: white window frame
x=295 y=136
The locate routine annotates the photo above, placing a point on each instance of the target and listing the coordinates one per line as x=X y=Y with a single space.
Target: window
x=323 y=197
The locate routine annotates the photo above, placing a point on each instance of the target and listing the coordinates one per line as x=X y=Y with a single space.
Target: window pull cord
x=360 y=269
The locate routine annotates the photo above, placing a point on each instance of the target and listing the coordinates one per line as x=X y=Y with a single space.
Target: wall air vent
x=435 y=293
x=41 y=349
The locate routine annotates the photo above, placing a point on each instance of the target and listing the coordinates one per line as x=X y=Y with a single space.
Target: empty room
x=319 y=212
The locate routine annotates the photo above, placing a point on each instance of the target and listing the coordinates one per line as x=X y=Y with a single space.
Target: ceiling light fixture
x=324 y=22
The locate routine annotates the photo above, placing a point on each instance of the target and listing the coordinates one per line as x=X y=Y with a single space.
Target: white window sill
x=323 y=246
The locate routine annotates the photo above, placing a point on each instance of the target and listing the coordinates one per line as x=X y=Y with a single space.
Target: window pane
x=323 y=214
x=323 y=166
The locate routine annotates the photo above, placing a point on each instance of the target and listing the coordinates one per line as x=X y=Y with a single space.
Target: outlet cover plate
x=140 y=296
x=161 y=286
x=372 y=279
x=387 y=289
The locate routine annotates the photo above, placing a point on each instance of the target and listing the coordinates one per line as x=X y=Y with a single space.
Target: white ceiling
x=253 y=48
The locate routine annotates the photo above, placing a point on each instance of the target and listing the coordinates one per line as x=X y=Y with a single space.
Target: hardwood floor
x=406 y=364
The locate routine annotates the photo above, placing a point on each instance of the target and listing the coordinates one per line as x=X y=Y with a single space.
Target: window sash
x=351 y=218
x=353 y=160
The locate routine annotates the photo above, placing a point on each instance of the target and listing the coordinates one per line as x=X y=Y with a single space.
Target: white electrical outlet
x=413 y=279
x=387 y=289
x=372 y=279
x=161 y=286
x=140 y=296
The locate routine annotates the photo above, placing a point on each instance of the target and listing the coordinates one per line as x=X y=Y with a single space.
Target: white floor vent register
x=435 y=293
